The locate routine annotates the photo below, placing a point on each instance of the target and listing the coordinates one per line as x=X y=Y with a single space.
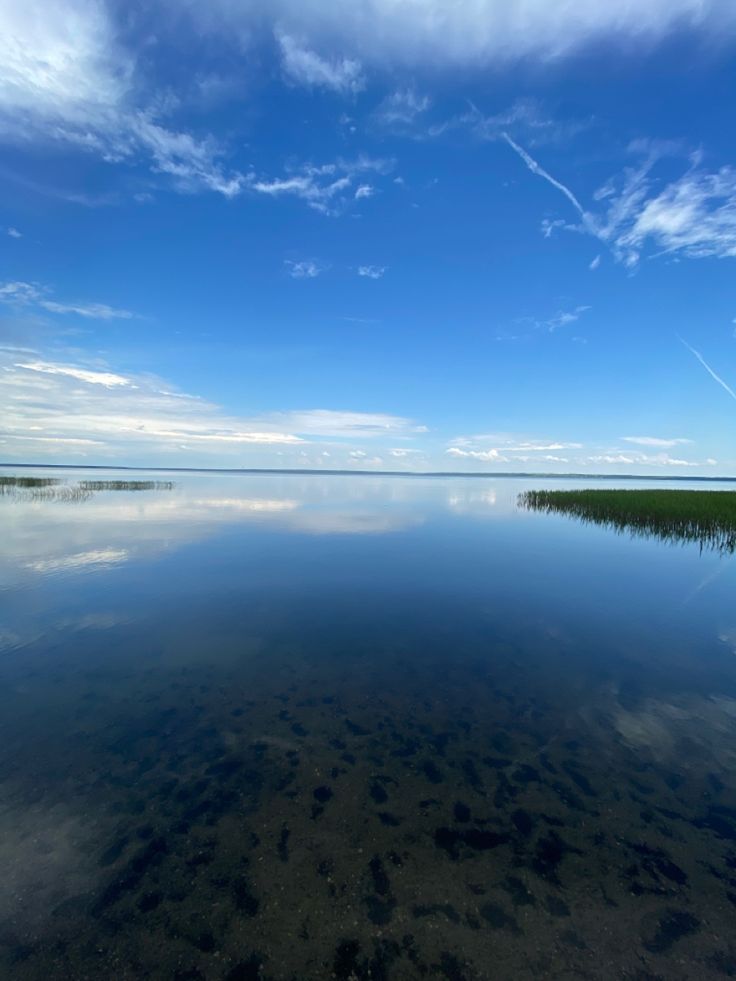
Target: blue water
x=300 y=726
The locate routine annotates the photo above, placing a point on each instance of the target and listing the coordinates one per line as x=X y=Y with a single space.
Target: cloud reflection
x=68 y=535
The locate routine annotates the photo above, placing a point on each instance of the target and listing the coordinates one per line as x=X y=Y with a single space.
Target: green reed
x=27 y=482
x=53 y=489
x=707 y=518
x=126 y=485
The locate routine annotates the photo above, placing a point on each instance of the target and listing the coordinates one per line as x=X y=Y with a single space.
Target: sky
x=375 y=235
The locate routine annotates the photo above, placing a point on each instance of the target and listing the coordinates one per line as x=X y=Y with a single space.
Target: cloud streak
x=713 y=375
x=654 y=441
x=31 y=294
x=693 y=215
x=535 y=168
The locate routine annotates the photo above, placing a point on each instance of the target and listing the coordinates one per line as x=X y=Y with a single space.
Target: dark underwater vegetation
x=704 y=517
x=294 y=728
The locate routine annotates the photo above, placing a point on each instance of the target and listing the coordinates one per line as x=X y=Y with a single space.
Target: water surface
x=296 y=727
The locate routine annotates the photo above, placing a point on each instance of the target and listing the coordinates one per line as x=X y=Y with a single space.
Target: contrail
x=541 y=172
x=708 y=368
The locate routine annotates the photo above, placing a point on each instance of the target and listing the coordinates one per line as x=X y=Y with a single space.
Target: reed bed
x=53 y=489
x=126 y=485
x=26 y=482
x=707 y=518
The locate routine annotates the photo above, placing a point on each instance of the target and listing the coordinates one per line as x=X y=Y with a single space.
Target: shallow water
x=296 y=727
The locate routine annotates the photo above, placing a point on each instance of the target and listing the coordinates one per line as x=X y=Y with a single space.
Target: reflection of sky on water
x=111 y=527
x=405 y=622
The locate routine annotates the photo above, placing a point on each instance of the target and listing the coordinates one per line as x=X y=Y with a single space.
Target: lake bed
x=303 y=726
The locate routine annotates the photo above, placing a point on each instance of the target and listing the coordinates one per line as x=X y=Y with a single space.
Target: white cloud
x=364 y=191
x=595 y=263
x=693 y=215
x=100 y=414
x=435 y=32
x=510 y=451
x=486 y=456
x=24 y=294
x=372 y=272
x=305 y=269
x=335 y=423
x=18 y=292
x=78 y=73
x=327 y=187
x=401 y=108
x=66 y=78
x=14 y=233
x=404 y=451
x=644 y=460
x=95 y=311
x=541 y=447
x=107 y=378
x=63 y=440
x=654 y=441
x=564 y=317
x=306 y=67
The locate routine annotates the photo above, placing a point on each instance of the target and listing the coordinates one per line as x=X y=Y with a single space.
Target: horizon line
x=572 y=475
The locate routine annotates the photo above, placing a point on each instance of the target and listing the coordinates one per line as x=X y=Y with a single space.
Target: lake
x=301 y=726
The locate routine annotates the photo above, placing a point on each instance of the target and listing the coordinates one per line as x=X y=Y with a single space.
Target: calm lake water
x=306 y=727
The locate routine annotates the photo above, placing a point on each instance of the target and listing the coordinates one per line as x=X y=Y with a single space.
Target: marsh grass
x=53 y=489
x=707 y=518
x=126 y=485
x=9 y=482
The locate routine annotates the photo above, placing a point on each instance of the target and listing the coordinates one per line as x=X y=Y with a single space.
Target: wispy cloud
x=328 y=187
x=654 y=441
x=485 y=456
x=710 y=371
x=107 y=378
x=506 y=449
x=564 y=317
x=372 y=272
x=14 y=233
x=304 y=269
x=100 y=413
x=401 y=108
x=65 y=78
x=499 y=448
x=402 y=452
x=305 y=67
x=435 y=33
x=345 y=424
x=31 y=294
x=693 y=215
x=364 y=191
x=645 y=460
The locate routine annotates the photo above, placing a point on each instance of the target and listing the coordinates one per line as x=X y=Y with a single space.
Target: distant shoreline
x=518 y=475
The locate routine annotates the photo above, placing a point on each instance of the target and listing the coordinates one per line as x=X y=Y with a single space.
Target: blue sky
x=379 y=234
